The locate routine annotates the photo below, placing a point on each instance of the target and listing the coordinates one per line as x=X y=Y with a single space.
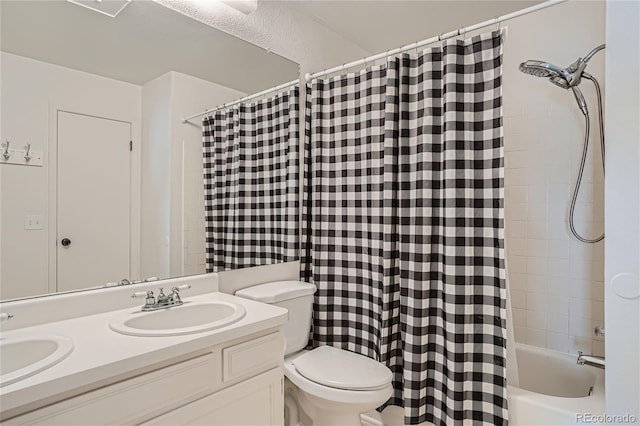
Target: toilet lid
x=341 y=369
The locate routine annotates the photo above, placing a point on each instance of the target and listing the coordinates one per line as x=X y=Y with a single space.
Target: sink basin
x=186 y=319
x=23 y=357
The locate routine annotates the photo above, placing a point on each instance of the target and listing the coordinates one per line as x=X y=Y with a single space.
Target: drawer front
x=256 y=401
x=251 y=358
x=134 y=400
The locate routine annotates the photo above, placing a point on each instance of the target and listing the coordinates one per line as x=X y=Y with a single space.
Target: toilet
x=325 y=386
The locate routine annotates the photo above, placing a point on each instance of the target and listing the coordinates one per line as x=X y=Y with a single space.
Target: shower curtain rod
x=460 y=31
x=237 y=101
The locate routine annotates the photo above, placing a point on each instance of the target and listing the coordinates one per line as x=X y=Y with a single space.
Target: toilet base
x=371 y=418
x=316 y=416
x=315 y=411
x=319 y=405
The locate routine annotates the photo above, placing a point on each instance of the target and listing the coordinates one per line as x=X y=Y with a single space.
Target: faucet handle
x=175 y=292
x=181 y=287
x=138 y=294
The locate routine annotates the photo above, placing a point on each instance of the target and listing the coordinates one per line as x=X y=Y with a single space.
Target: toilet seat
x=341 y=369
x=336 y=395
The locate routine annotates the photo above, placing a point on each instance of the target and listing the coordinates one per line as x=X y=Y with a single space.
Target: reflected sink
x=186 y=319
x=22 y=357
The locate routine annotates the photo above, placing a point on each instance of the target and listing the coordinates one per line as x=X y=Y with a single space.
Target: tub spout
x=591 y=360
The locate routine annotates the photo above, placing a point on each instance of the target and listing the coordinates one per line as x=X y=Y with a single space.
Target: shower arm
x=593 y=52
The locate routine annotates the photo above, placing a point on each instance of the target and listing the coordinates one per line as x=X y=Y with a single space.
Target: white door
x=94 y=201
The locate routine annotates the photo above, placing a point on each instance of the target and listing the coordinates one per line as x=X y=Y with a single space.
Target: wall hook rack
x=20 y=157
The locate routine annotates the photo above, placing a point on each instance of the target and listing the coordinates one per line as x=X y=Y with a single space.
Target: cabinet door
x=257 y=401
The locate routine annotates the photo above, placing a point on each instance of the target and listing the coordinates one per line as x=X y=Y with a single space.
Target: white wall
x=622 y=206
x=29 y=89
x=172 y=206
x=556 y=282
x=190 y=95
x=155 y=178
x=173 y=241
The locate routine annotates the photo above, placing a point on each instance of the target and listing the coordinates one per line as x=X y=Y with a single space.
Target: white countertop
x=102 y=356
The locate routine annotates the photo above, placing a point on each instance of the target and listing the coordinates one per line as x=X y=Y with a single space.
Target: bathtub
x=554 y=390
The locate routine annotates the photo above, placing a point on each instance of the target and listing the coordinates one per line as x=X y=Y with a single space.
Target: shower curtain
x=403 y=225
x=251 y=183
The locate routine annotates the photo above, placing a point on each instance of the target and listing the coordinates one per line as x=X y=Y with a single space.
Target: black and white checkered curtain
x=251 y=183
x=403 y=225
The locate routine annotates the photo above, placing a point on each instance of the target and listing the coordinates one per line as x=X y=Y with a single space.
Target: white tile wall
x=556 y=282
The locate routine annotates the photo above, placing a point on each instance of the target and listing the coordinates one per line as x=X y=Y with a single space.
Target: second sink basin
x=186 y=319
x=23 y=357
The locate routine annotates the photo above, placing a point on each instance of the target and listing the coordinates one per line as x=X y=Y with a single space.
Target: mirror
x=75 y=80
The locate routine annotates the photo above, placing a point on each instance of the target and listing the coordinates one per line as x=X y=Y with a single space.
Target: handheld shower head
x=577 y=93
x=542 y=69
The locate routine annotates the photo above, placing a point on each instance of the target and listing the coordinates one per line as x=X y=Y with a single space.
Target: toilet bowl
x=330 y=405
x=326 y=386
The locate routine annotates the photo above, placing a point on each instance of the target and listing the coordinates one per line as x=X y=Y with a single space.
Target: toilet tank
x=297 y=298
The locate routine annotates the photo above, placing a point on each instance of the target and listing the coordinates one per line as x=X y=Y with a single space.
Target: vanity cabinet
x=236 y=383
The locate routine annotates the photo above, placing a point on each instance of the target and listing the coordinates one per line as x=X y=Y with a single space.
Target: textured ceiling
x=321 y=34
x=143 y=42
x=377 y=26
x=147 y=39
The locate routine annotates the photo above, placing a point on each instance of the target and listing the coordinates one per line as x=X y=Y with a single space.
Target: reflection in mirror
x=103 y=182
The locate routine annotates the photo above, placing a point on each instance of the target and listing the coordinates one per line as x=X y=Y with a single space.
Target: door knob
x=65 y=242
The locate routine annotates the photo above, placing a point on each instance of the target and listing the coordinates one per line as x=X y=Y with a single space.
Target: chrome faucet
x=591 y=360
x=162 y=301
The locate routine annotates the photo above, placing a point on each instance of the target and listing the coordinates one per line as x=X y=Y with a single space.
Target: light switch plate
x=33 y=221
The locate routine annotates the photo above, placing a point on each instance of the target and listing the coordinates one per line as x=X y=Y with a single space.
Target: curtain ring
x=386 y=56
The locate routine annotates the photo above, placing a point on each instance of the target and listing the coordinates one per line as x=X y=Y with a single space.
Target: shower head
x=565 y=78
x=561 y=77
x=542 y=69
x=560 y=82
